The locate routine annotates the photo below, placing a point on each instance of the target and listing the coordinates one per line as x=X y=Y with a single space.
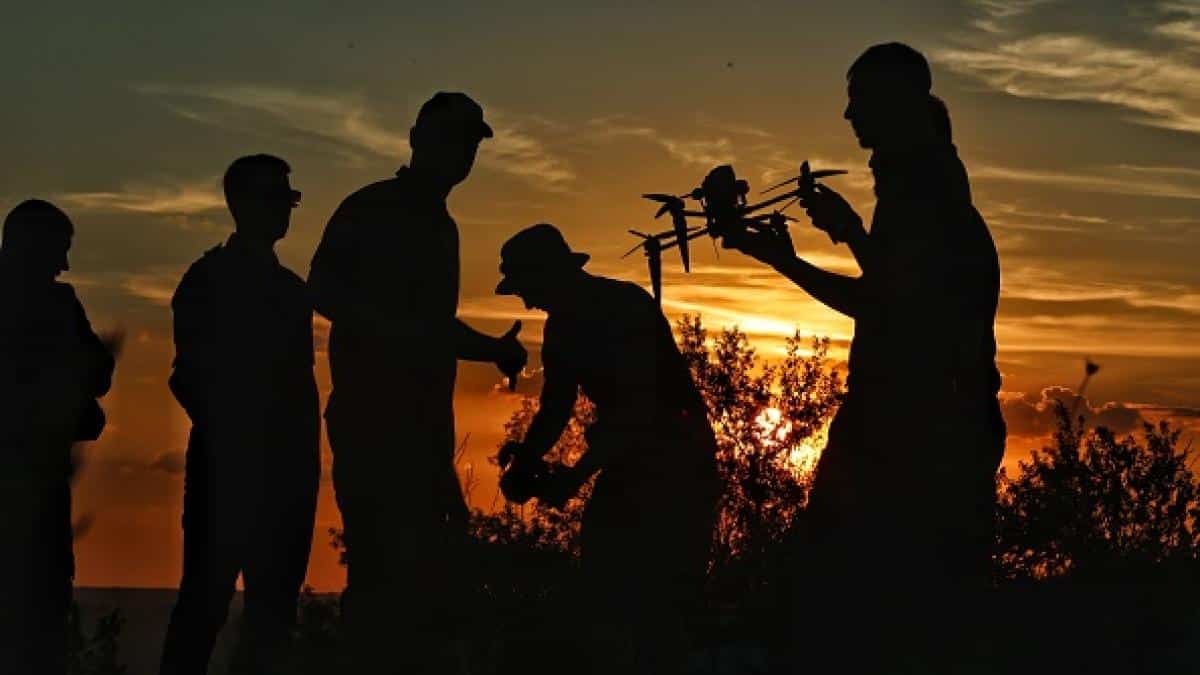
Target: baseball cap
x=454 y=111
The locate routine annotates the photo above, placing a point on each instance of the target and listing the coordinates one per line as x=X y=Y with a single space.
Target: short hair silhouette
x=898 y=62
x=239 y=182
x=33 y=219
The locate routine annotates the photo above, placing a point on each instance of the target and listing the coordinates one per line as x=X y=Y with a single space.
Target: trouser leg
x=403 y=530
x=36 y=524
x=274 y=572
x=644 y=558
x=212 y=541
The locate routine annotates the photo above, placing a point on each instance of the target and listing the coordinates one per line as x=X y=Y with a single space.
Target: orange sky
x=1079 y=124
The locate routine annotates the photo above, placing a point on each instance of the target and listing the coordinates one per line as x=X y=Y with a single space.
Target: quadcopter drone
x=723 y=206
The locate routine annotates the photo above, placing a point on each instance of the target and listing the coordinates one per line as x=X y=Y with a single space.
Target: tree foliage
x=767 y=417
x=1092 y=504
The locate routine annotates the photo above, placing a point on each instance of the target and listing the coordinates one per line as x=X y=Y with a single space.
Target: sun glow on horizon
x=800 y=459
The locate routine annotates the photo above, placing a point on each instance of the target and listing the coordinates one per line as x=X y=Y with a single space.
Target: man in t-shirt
x=386 y=274
x=243 y=371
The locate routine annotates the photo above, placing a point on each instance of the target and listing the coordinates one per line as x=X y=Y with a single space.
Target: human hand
x=509 y=452
x=511 y=357
x=831 y=213
x=770 y=246
x=523 y=479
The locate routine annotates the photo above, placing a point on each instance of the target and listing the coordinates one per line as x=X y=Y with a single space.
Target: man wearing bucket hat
x=648 y=523
x=386 y=275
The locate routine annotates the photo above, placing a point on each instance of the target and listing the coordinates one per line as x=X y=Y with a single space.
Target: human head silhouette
x=260 y=198
x=36 y=238
x=446 y=136
x=538 y=267
x=888 y=97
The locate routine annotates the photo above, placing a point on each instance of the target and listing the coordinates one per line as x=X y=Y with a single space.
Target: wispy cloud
x=994 y=13
x=1157 y=80
x=350 y=125
x=1172 y=182
x=161 y=199
x=706 y=152
x=157 y=287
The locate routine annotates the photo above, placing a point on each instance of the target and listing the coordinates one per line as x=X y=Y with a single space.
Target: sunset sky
x=1079 y=123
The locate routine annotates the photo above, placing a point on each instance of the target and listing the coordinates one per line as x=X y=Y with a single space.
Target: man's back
x=243 y=334
x=935 y=289
x=619 y=348
x=393 y=246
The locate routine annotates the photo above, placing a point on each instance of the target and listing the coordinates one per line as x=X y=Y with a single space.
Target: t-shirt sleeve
x=336 y=259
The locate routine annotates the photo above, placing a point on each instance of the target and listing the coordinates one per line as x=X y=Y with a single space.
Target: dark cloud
x=170 y=462
x=83 y=525
x=1034 y=414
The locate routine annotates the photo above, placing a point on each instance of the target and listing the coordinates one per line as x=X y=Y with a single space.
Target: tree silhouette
x=768 y=419
x=1091 y=504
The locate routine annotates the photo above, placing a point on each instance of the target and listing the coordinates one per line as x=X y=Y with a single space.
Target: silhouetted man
x=244 y=373
x=52 y=369
x=647 y=526
x=386 y=275
x=900 y=532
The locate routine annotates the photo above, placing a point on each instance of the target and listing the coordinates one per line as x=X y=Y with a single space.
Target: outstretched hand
x=511 y=357
x=831 y=213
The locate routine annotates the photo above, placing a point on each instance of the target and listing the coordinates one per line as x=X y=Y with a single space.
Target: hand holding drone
x=726 y=212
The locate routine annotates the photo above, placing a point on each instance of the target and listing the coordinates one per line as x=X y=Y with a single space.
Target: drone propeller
x=805 y=175
x=663 y=197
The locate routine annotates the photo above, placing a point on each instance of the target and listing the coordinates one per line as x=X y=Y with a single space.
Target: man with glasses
x=243 y=371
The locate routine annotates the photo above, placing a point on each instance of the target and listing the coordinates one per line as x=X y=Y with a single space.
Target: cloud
x=349 y=125
x=994 y=13
x=1034 y=414
x=155 y=287
x=701 y=152
x=170 y=462
x=1159 y=83
x=1167 y=182
x=83 y=525
x=181 y=199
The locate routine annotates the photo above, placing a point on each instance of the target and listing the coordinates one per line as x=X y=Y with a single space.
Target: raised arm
x=837 y=291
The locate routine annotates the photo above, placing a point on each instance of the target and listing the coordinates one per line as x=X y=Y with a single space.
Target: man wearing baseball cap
x=386 y=274
x=647 y=526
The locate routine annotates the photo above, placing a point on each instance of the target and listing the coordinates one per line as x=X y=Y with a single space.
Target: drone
x=723 y=205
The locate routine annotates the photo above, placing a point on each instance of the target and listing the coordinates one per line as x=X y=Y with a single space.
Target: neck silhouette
x=430 y=178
